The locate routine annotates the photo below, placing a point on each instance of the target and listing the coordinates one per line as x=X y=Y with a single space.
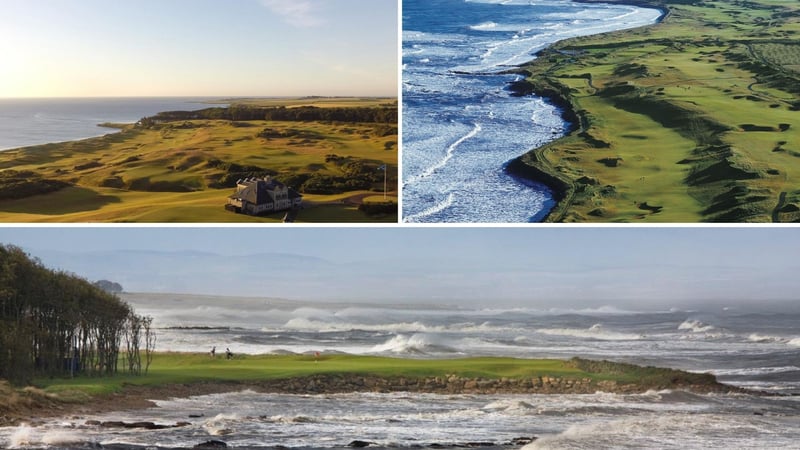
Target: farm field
x=694 y=119
x=184 y=170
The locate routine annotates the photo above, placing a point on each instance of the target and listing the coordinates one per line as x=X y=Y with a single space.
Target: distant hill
x=109 y=286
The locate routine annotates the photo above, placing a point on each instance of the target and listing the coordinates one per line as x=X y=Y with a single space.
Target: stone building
x=256 y=196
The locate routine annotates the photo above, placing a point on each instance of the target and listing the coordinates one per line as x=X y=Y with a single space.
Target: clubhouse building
x=256 y=196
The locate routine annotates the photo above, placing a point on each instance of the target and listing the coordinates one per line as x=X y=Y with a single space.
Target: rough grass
x=173 y=174
x=699 y=114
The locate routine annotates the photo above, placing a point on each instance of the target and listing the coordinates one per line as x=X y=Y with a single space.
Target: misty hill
x=109 y=286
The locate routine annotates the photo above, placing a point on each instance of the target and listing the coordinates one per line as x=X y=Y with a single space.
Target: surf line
x=441 y=206
x=451 y=149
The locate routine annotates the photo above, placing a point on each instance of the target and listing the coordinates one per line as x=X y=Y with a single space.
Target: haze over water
x=460 y=124
x=35 y=121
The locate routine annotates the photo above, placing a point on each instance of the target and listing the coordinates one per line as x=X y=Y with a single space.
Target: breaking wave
x=696 y=326
x=596 y=331
x=484 y=26
x=416 y=344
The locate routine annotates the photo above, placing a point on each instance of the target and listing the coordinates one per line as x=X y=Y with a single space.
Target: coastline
x=31 y=405
x=664 y=118
x=181 y=172
x=92 y=124
x=111 y=131
x=530 y=165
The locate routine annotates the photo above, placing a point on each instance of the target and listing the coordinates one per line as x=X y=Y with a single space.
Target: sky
x=653 y=268
x=101 y=48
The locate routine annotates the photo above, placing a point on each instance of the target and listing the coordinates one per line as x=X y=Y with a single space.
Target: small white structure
x=256 y=196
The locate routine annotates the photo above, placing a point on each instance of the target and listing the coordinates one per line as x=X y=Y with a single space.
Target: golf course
x=693 y=119
x=172 y=169
x=184 y=374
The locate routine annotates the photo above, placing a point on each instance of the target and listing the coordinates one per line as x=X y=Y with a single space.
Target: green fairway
x=693 y=119
x=183 y=171
x=183 y=368
x=190 y=374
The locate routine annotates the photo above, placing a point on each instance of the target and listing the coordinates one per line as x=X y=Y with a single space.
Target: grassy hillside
x=693 y=119
x=184 y=171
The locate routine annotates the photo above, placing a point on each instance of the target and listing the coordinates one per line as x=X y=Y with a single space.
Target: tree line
x=56 y=324
x=277 y=113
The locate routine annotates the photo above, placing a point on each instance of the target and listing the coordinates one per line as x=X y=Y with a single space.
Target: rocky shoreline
x=139 y=397
x=456 y=385
x=30 y=404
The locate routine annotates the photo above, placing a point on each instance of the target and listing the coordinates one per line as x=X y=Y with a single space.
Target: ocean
x=460 y=124
x=755 y=350
x=35 y=121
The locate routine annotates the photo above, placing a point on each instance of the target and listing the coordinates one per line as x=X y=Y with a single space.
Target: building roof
x=257 y=190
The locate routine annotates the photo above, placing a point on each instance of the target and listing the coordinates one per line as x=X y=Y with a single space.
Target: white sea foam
x=484 y=26
x=221 y=424
x=59 y=438
x=21 y=437
x=695 y=326
x=755 y=371
x=663 y=430
x=596 y=331
x=509 y=405
x=448 y=155
x=419 y=343
x=434 y=209
x=756 y=337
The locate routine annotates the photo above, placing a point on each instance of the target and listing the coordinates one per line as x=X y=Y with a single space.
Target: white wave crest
x=695 y=326
x=508 y=405
x=794 y=342
x=755 y=371
x=596 y=331
x=755 y=337
x=60 y=438
x=26 y=436
x=432 y=210
x=22 y=437
x=220 y=425
x=448 y=155
x=419 y=343
x=484 y=26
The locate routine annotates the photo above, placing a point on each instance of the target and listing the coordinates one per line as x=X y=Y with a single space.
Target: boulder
x=211 y=444
x=359 y=444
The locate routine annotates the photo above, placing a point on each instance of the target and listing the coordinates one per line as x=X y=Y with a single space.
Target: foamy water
x=656 y=419
x=460 y=125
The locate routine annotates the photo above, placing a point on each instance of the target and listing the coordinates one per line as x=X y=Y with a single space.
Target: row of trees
x=53 y=323
x=387 y=115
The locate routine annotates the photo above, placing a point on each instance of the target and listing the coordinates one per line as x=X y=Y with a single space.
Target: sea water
x=460 y=123
x=751 y=349
x=35 y=121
